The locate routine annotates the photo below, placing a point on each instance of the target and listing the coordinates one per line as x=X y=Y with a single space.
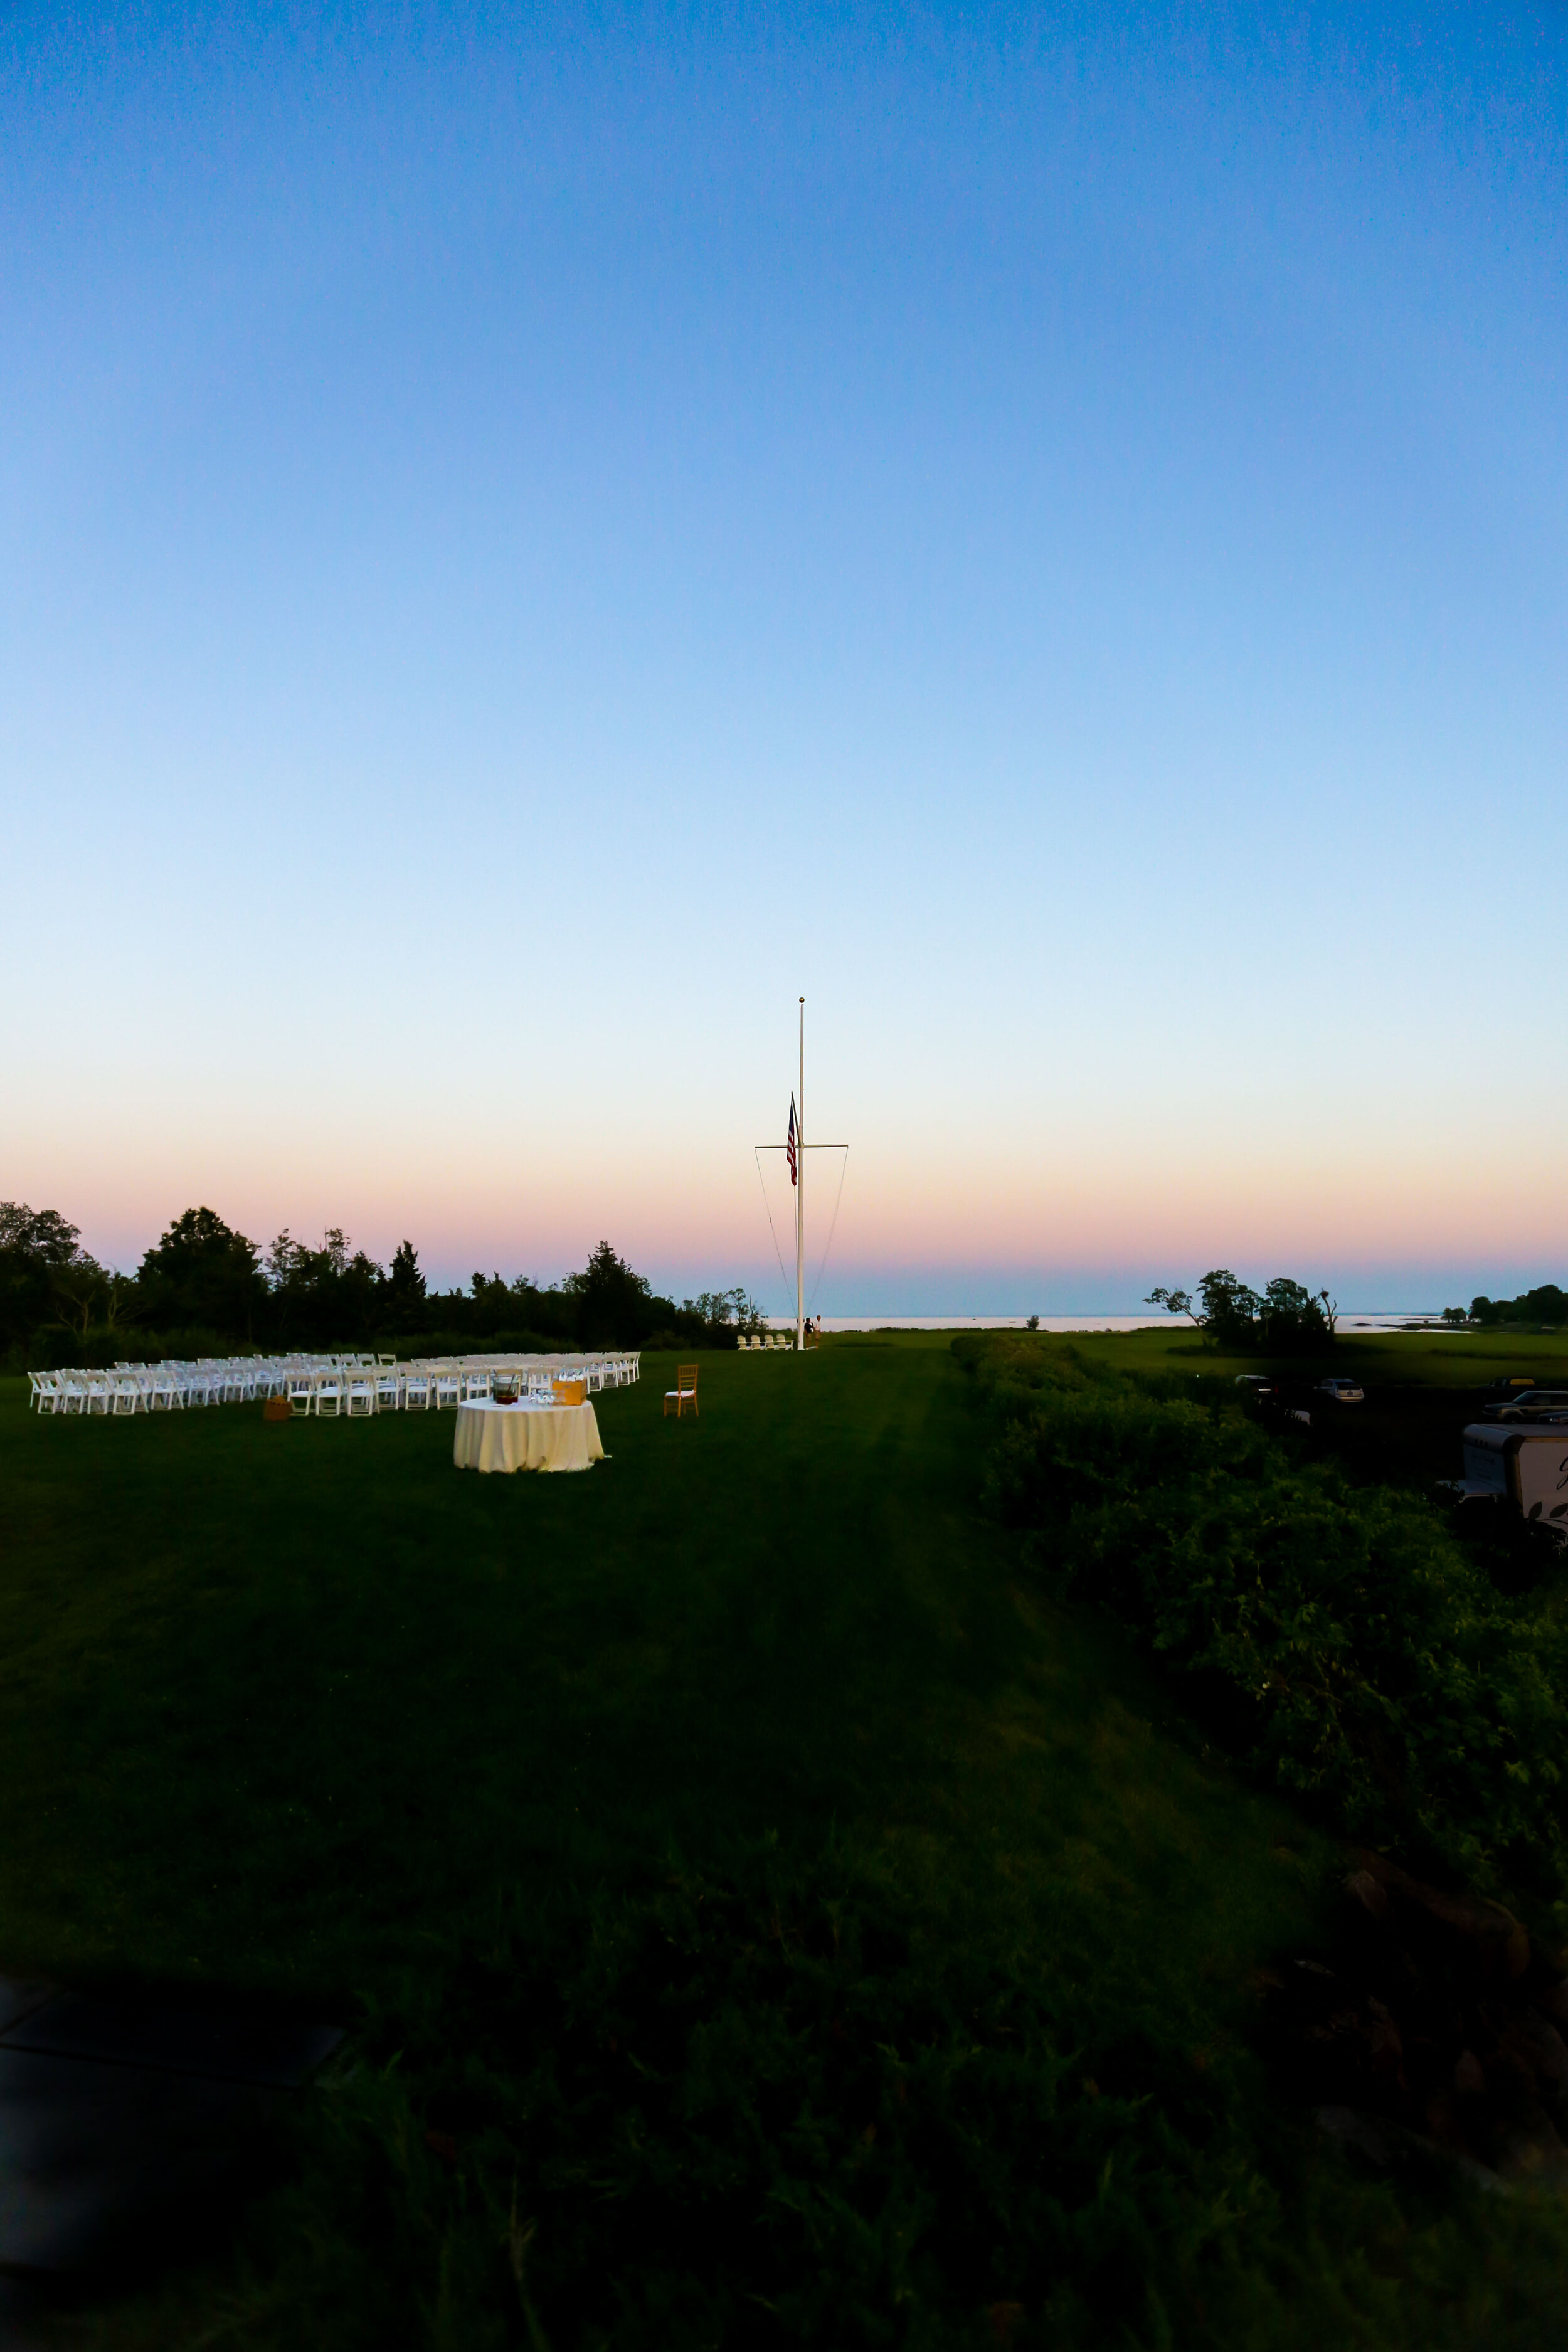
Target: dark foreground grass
x=766 y=1920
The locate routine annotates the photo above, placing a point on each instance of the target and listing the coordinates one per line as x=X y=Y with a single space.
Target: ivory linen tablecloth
x=493 y=1436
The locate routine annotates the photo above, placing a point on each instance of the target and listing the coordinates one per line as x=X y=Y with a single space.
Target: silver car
x=1535 y=1404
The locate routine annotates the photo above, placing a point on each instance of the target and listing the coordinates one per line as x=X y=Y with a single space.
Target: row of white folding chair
x=68 y=1392
x=209 y=1383
x=334 y=1393
x=381 y=1385
x=105 y=1393
x=213 y=1380
x=353 y=1392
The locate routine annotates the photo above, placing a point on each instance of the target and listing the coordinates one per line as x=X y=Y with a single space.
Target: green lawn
x=304 y=1708
x=279 y=1701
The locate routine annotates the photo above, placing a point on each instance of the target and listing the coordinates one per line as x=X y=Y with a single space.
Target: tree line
x=1285 y=1318
x=204 y=1287
x=1546 y=1303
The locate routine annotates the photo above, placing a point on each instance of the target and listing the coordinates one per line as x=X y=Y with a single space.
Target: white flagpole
x=799 y=1197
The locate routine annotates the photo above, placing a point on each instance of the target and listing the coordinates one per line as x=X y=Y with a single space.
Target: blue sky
x=535 y=536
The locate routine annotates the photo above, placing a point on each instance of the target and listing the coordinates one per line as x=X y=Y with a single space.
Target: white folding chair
x=449 y=1387
x=388 y=1383
x=327 y=1396
x=416 y=1391
x=361 y=1396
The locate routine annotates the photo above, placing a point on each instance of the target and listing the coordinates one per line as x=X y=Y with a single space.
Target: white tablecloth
x=526 y=1436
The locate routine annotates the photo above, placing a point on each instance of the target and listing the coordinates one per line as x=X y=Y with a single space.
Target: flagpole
x=800 y=1198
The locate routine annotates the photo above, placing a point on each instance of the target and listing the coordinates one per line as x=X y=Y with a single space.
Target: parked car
x=1259 y=1387
x=1511 y=1384
x=1531 y=1405
x=1344 y=1391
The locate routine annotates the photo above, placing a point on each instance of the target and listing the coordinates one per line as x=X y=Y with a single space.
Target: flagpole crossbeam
x=794 y=1149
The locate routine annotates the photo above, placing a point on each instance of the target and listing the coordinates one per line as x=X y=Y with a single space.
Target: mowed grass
x=282 y=1706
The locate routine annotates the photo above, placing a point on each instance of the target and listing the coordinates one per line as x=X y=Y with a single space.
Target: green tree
x=202 y=1274
x=326 y=1297
x=78 y=1286
x=1290 y=1318
x=1230 y=1309
x=404 y=1296
x=39 y=1234
x=615 y=1307
x=725 y=1310
x=1547 y=1303
x=37 y=1246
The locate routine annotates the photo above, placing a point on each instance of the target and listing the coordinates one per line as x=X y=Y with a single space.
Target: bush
x=778 y=2104
x=772 y=2104
x=1365 y=1659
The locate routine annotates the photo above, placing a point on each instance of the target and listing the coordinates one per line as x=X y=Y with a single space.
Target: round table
x=493 y=1436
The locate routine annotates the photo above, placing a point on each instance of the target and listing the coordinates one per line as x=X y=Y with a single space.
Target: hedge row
x=1365 y=1659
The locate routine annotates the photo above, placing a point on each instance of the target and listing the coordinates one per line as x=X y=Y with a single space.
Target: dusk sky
x=535 y=536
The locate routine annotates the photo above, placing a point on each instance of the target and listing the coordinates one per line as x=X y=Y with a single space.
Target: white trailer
x=1527 y=1467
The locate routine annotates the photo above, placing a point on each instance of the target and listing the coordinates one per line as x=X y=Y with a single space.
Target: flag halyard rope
x=843 y=1171
x=757 y=1156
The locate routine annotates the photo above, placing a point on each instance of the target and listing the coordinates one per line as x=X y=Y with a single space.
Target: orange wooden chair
x=684 y=1392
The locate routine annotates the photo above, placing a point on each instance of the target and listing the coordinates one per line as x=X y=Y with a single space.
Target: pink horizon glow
x=1109 y=1219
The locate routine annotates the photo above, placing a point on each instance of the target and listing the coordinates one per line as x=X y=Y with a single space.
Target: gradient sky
x=533 y=536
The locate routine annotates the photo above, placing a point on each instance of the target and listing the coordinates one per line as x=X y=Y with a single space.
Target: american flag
x=789 y=1146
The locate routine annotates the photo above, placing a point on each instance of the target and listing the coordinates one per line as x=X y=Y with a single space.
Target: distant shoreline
x=1362 y=1319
